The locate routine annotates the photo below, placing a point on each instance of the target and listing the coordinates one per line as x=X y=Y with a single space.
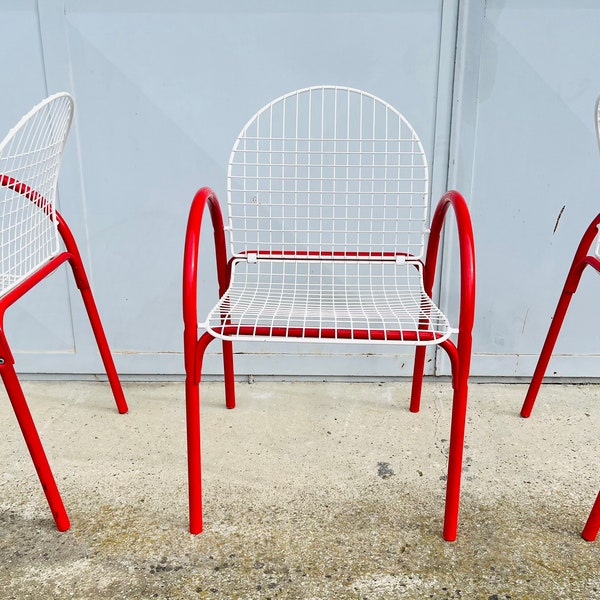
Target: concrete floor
x=312 y=491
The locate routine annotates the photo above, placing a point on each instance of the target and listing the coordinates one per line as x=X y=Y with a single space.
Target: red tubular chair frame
x=7 y=361
x=581 y=260
x=194 y=347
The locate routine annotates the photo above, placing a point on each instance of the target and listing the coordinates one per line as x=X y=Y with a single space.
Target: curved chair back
x=30 y=157
x=327 y=171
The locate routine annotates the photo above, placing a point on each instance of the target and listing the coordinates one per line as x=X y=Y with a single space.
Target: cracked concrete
x=312 y=490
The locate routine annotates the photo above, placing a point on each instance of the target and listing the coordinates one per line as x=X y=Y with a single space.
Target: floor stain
x=384 y=470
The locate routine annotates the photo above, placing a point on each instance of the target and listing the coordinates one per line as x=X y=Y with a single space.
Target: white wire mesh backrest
x=30 y=157
x=327 y=170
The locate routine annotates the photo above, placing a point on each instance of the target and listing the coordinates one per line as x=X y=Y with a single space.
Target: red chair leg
x=107 y=359
x=455 y=456
x=229 y=374
x=417 y=382
x=34 y=444
x=546 y=353
x=590 y=531
x=460 y=377
x=580 y=261
x=194 y=449
x=92 y=311
x=192 y=403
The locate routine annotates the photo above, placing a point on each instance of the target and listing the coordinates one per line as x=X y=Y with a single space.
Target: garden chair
x=587 y=255
x=327 y=191
x=31 y=230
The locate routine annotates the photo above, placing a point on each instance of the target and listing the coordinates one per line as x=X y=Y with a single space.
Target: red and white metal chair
x=327 y=192
x=587 y=255
x=30 y=233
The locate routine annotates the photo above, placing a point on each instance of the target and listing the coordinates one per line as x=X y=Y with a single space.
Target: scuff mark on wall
x=524 y=322
x=558 y=219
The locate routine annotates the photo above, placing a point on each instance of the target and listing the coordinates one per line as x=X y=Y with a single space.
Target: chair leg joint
x=6 y=356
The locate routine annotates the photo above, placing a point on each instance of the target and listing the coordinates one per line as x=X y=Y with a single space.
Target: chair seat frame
x=195 y=345
x=345 y=310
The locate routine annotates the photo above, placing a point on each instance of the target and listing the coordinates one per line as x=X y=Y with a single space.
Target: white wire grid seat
x=30 y=157
x=327 y=196
x=328 y=300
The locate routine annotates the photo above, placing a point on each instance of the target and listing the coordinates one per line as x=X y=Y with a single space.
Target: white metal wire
x=30 y=157
x=327 y=198
x=327 y=169
x=354 y=300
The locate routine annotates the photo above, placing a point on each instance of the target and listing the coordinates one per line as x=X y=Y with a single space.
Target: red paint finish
x=7 y=370
x=460 y=354
x=590 y=531
x=583 y=258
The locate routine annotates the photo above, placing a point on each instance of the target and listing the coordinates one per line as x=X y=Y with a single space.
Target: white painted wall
x=531 y=82
x=503 y=88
